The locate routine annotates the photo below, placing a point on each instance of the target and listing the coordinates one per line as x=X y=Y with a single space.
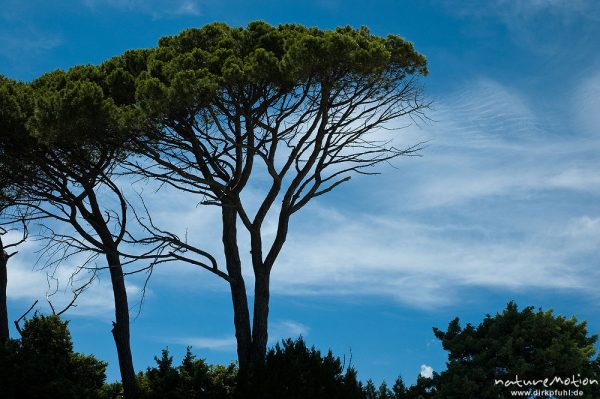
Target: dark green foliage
x=530 y=344
x=384 y=392
x=10 y=368
x=291 y=370
x=42 y=364
x=111 y=391
x=61 y=126
x=193 y=379
x=15 y=106
x=370 y=390
x=422 y=389
x=399 y=389
x=13 y=109
x=163 y=381
x=67 y=118
x=74 y=111
x=199 y=66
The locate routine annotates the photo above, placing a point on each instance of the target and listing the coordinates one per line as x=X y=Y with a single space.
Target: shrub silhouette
x=42 y=364
x=291 y=370
x=193 y=379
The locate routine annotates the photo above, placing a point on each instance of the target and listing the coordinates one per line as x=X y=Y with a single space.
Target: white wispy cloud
x=25 y=43
x=287 y=328
x=31 y=41
x=156 y=9
x=22 y=43
x=226 y=343
x=421 y=265
x=508 y=9
x=489 y=141
x=277 y=330
x=523 y=21
x=188 y=7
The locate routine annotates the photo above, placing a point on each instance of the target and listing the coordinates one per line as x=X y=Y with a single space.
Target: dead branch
x=23 y=316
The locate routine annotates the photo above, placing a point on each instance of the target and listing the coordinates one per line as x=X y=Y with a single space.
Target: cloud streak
x=156 y=9
x=513 y=12
x=542 y=26
x=278 y=330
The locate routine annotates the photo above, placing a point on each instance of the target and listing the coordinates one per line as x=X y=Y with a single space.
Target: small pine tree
x=399 y=389
x=370 y=390
x=384 y=392
x=162 y=381
x=351 y=388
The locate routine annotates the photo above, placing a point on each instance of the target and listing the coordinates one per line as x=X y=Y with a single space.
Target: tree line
x=528 y=343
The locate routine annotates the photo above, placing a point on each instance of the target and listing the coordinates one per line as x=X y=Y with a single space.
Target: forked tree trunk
x=251 y=342
x=241 y=316
x=120 y=330
x=4 y=332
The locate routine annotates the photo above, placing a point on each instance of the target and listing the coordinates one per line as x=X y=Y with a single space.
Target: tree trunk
x=260 y=333
x=4 y=332
x=241 y=316
x=120 y=328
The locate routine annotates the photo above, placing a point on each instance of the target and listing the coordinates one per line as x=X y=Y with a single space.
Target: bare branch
x=23 y=316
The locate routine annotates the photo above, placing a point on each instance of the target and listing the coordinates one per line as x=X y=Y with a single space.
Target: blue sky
x=503 y=205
